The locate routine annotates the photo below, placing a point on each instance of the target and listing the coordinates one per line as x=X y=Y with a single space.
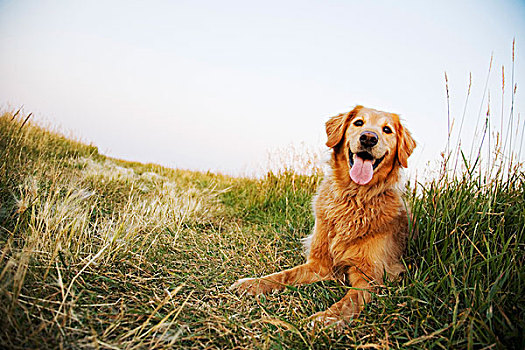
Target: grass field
x=102 y=253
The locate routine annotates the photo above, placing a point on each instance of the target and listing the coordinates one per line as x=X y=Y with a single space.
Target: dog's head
x=371 y=142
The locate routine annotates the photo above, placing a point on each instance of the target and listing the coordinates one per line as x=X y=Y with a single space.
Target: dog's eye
x=358 y=123
x=387 y=130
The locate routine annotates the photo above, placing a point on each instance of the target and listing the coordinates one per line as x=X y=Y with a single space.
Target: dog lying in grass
x=361 y=223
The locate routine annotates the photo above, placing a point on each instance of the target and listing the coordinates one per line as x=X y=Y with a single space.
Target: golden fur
x=360 y=229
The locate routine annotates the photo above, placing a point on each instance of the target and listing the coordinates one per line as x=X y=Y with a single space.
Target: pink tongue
x=362 y=171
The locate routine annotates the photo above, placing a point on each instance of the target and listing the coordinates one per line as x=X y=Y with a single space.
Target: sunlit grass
x=78 y=233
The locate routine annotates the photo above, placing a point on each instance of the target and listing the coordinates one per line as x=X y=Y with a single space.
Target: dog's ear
x=336 y=126
x=405 y=144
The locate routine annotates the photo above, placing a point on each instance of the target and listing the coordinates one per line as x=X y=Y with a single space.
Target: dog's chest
x=358 y=231
x=352 y=219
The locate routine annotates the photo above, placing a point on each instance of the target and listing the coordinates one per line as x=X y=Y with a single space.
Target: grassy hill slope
x=102 y=253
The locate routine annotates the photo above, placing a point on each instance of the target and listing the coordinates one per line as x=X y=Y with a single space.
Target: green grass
x=102 y=253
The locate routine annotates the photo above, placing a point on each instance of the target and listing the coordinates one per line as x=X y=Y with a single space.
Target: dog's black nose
x=368 y=138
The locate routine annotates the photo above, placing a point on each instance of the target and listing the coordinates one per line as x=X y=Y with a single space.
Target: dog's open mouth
x=362 y=166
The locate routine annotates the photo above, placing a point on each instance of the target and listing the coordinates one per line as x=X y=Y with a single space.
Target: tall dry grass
x=66 y=213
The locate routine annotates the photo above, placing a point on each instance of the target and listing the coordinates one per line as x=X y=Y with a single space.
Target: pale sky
x=215 y=85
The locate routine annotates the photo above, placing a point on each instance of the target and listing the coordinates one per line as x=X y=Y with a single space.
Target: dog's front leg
x=310 y=272
x=351 y=304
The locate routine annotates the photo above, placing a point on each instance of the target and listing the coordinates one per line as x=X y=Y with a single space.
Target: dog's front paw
x=326 y=319
x=250 y=286
x=254 y=286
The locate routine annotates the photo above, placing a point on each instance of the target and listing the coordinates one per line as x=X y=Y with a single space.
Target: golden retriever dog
x=361 y=222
